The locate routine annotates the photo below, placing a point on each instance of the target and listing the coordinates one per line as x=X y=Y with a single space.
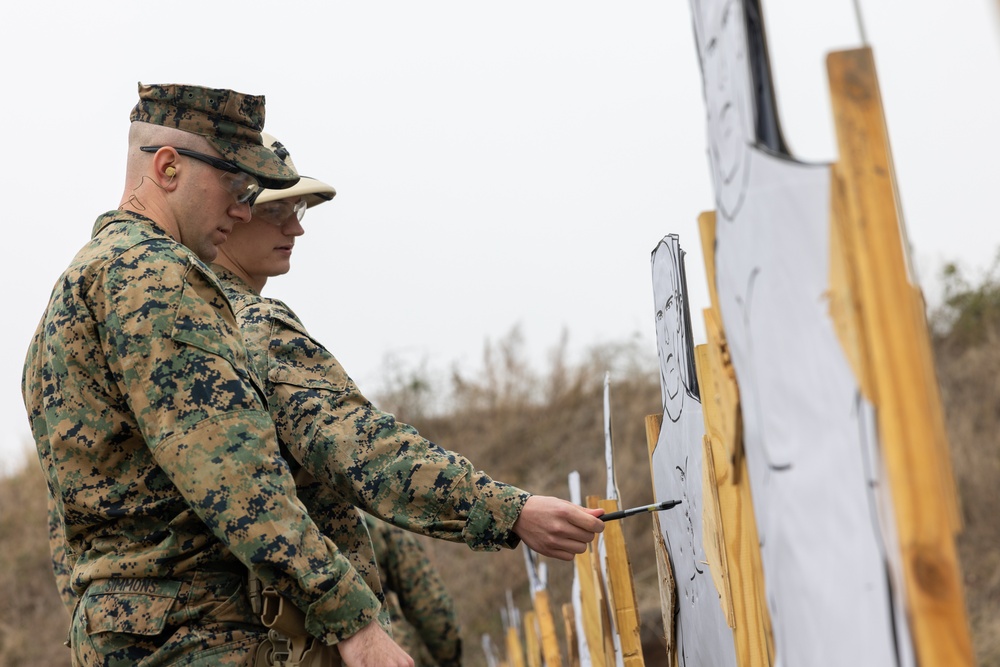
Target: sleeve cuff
x=343 y=610
x=491 y=522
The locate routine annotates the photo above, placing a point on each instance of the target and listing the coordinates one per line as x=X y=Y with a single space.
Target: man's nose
x=240 y=212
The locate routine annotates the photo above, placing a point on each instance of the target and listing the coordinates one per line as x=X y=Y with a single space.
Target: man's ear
x=165 y=166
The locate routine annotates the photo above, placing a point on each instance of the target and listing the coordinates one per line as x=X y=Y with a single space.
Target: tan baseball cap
x=313 y=190
x=230 y=121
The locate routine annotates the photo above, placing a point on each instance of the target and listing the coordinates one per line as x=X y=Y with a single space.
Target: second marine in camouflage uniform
x=345 y=442
x=358 y=452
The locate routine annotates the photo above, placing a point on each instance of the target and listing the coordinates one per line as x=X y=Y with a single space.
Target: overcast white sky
x=497 y=164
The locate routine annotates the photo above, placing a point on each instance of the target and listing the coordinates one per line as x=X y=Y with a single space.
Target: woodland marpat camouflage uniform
x=424 y=621
x=336 y=519
x=343 y=524
x=364 y=456
x=161 y=457
x=377 y=463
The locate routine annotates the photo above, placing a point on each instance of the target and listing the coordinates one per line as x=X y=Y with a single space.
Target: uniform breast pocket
x=211 y=342
x=129 y=606
x=204 y=319
x=294 y=358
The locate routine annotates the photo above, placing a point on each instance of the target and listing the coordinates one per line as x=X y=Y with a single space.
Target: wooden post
x=730 y=528
x=569 y=626
x=742 y=584
x=547 y=630
x=549 y=642
x=590 y=602
x=621 y=589
x=532 y=646
x=601 y=588
x=897 y=372
x=515 y=651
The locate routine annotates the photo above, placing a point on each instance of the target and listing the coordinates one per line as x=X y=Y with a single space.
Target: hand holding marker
x=665 y=505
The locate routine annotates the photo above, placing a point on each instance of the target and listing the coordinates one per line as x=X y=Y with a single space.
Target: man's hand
x=372 y=647
x=557 y=528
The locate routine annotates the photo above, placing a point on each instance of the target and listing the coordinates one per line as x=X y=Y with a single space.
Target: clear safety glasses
x=279 y=212
x=242 y=186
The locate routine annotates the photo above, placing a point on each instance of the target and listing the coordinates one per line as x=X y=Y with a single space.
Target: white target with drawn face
x=722 y=52
x=703 y=636
x=825 y=527
x=671 y=336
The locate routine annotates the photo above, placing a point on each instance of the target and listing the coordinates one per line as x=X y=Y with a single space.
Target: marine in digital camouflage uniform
x=341 y=439
x=342 y=522
x=365 y=456
x=152 y=428
x=424 y=621
x=345 y=442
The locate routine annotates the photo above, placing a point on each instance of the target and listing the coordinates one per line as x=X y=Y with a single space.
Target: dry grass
x=970 y=387
x=33 y=622
x=533 y=430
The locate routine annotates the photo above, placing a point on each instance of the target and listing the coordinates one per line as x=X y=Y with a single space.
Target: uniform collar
x=233 y=280
x=119 y=216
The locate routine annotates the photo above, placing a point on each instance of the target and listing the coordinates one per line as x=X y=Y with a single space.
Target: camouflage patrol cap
x=230 y=121
x=313 y=190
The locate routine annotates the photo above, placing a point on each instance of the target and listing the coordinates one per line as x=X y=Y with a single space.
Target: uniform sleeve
x=62 y=559
x=174 y=347
x=386 y=466
x=422 y=596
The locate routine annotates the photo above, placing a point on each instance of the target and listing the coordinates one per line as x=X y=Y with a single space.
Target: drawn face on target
x=721 y=35
x=670 y=331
